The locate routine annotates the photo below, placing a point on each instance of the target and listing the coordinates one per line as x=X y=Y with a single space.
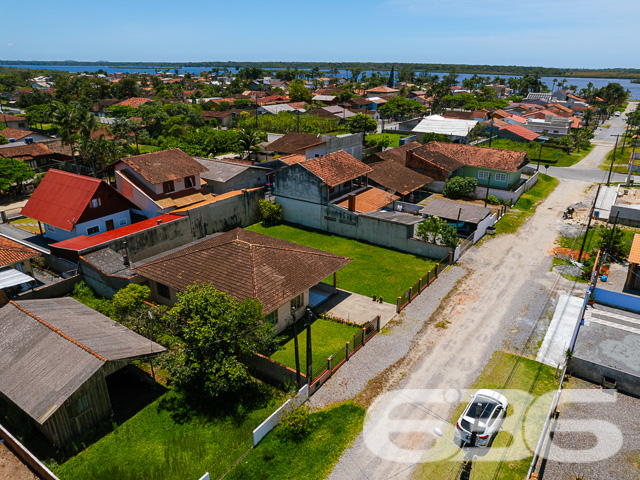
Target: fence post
x=437 y=268
x=347 y=350
x=377 y=325
x=329 y=360
x=398 y=305
x=428 y=278
x=410 y=293
x=364 y=336
x=419 y=285
x=451 y=257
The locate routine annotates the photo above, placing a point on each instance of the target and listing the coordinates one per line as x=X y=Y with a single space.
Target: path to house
x=501 y=296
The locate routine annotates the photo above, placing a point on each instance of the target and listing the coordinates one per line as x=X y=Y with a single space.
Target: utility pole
x=539 y=156
x=295 y=343
x=586 y=233
x=613 y=158
x=309 y=362
x=491 y=130
x=487 y=196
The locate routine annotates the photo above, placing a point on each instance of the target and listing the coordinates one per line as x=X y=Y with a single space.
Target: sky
x=560 y=33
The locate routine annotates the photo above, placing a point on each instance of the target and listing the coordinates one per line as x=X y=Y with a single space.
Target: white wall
x=147 y=206
x=81 y=228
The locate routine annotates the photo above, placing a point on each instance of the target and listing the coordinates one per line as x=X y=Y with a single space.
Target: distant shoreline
x=493 y=70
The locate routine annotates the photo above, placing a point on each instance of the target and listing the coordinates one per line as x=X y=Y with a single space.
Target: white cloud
x=10 y=44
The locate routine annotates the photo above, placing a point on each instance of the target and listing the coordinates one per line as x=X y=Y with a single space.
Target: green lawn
x=526 y=205
x=621 y=160
x=165 y=442
x=326 y=339
x=529 y=377
x=374 y=270
x=395 y=138
x=278 y=457
x=28 y=224
x=532 y=148
x=147 y=148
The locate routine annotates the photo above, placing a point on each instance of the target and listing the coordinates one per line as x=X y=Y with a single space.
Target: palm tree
x=249 y=140
x=63 y=116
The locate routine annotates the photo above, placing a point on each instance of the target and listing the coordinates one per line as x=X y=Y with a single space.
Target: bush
x=130 y=298
x=493 y=200
x=460 y=187
x=296 y=424
x=271 y=213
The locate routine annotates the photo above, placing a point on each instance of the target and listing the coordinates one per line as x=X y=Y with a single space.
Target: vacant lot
x=549 y=154
x=374 y=270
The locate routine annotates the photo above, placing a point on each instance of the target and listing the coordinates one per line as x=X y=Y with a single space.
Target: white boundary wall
x=270 y=423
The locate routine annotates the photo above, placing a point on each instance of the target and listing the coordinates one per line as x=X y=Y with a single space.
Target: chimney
x=352 y=202
x=159 y=221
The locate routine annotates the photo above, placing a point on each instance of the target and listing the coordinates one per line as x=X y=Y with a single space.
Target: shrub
x=493 y=200
x=460 y=187
x=130 y=298
x=271 y=213
x=296 y=424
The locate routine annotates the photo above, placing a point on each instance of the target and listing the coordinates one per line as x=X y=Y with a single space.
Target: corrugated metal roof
x=11 y=277
x=61 y=198
x=221 y=171
x=445 y=126
x=456 y=210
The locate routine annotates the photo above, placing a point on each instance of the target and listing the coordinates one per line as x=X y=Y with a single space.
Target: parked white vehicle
x=483 y=415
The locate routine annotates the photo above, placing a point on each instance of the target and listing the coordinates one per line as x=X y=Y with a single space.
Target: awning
x=11 y=278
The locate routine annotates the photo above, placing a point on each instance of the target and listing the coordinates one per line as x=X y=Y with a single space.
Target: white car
x=617 y=114
x=487 y=410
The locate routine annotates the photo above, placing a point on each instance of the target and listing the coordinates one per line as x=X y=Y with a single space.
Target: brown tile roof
x=337 y=167
x=398 y=154
x=459 y=114
x=159 y=167
x=293 y=142
x=634 y=255
x=213 y=114
x=246 y=265
x=370 y=200
x=455 y=154
x=522 y=132
x=5 y=117
x=135 y=102
x=14 y=133
x=57 y=147
x=12 y=252
x=292 y=159
x=26 y=152
x=382 y=89
x=395 y=176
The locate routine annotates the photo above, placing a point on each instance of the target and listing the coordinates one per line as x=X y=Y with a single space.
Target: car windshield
x=481 y=408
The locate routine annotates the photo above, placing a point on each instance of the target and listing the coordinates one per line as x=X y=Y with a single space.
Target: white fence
x=270 y=423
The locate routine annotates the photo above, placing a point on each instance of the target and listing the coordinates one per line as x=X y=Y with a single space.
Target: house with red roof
x=70 y=205
x=135 y=102
x=12 y=121
x=382 y=92
x=161 y=182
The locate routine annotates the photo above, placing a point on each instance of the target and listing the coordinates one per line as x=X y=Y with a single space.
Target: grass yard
x=550 y=154
x=395 y=138
x=28 y=224
x=279 y=457
x=374 y=270
x=621 y=161
x=526 y=205
x=165 y=442
x=327 y=338
x=146 y=148
x=529 y=378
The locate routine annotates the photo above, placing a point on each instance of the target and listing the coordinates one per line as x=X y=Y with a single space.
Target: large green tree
x=219 y=333
x=362 y=123
x=298 y=92
x=14 y=172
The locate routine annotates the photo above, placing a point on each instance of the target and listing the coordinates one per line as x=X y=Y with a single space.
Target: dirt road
x=495 y=306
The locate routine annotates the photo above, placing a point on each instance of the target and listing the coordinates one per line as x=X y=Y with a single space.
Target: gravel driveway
x=496 y=305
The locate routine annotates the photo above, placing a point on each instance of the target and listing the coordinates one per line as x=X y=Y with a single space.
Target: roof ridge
x=63 y=335
x=183 y=252
x=318 y=252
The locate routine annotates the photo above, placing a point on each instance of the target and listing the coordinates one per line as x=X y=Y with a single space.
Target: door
x=109 y=225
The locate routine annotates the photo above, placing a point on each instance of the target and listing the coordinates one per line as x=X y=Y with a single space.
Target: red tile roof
x=13 y=252
x=5 y=117
x=26 y=152
x=337 y=167
x=83 y=242
x=370 y=200
x=292 y=159
x=14 y=133
x=61 y=198
x=293 y=142
x=246 y=265
x=135 y=102
x=394 y=175
x=521 y=132
x=634 y=255
x=382 y=89
x=159 y=167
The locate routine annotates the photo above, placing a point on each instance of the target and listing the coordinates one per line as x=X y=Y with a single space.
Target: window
x=272 y=318
x=296 y=303
x=51 y=228
x=93 y=230
x=163 y=290
x=346 y=184
x=501 y=177
x=78 y=406
x=189 y=182
x=168 y=186
x=123 y=221
x=95 y=203
x=482 y=175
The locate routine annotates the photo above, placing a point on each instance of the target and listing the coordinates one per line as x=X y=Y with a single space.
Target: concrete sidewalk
x=558 y=337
